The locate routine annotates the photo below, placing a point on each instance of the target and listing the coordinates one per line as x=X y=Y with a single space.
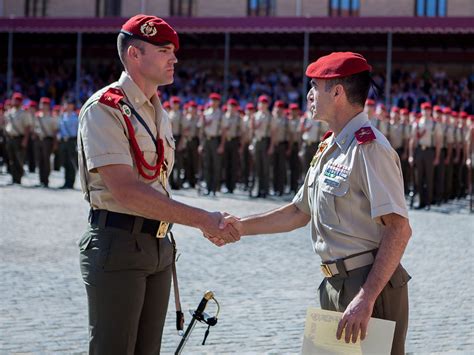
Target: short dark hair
x=356 y=87
x=123 y=42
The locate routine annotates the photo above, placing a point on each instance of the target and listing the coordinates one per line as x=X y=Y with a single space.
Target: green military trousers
x=128 y=279
x=337 y=292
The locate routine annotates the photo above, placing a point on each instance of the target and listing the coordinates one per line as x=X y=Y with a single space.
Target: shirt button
x=136 y=100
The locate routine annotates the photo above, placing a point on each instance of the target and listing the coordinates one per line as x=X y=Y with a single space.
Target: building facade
x=237 y=8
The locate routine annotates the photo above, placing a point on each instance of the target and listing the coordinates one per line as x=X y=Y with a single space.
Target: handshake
x=222 y=228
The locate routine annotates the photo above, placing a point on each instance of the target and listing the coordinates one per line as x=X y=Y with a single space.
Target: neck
x=148 y=88
x=342 y=117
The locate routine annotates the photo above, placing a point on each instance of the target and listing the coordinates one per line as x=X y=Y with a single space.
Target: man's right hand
x=217 y=231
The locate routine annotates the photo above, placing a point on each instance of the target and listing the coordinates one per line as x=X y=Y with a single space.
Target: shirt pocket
x=330 y=191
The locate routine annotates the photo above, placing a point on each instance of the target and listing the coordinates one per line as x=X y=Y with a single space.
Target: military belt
x=126 y=222
x=341 y=267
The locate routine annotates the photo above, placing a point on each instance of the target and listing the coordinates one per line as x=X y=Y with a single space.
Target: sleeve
x=301 y=200
x=104 y=138
x=382 y=180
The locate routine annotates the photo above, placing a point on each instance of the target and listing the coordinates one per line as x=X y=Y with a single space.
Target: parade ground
x=264 y=284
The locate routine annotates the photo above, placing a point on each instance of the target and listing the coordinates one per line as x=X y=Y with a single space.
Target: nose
x=310 y=96
x=174 y=59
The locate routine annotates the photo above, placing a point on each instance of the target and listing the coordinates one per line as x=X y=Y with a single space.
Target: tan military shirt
x=246 y=129
x=396 y=134
x=347 y=191
x=438 y=134
x=176 y=118
x=294 y=129
x=45 y=126
x=105 y=141
x=280 y=125
x=423 y=131
x=262 y=125
x=450 y=138
x=232 y=123
x=17 y=120
x=212 y=123
x=190 y=125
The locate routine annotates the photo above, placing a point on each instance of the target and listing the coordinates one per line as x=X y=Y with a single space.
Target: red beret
x=215 y=96
x=200 y=107
x=175 y=100
x=425 y=106
x=17 y=96
x=446 y=110
x=337 y=65
x=250 y=106
x=294 y=106
x=232 y=102
x=369 y=102
x=463 y=114
x=192 y=104
x=45 y=100
x=32 y=104
x=395 y=109
x=454 y=114
x=437 y=108
x=224 y=108
x=404 y=111
x=151 y=29
x=263 y=98
x=166 y=104
x=280 y=104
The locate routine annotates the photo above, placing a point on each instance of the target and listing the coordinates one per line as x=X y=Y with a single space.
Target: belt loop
x=341 y=267
x=137 y=225
x=102 y=218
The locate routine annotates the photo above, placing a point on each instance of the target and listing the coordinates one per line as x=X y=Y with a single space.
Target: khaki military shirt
x=232 y=123
x=383 y=127
x=105 y=141
x=176 y=118
x=212 y=123
x=190 y=125
x=280 y=125
x=46 y=126
x=396 y=134
x=423 y=131
x=294 y=129
x=450 y=137
x=438 y=134
x=246 y=129
x=347 y=191
x=262 y=125
x=17 y=121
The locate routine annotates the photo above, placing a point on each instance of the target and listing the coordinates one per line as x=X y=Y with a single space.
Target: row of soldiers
x=42 y=130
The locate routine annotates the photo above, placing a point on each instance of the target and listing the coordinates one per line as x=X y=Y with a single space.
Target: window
x=108 y=8
x=344 y=8
x=36 y=8
x=182 y=8
x=431 y=8
x=261 y=7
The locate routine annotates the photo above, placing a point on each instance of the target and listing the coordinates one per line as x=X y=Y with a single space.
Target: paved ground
x=264 y=284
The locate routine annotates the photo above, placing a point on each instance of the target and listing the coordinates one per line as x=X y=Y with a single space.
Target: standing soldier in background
x=440 y=155
x=45 y=130
x=190 y=127
x=68 y=125
x=231 y=130
x=311 y=131
x=263 y=148
x=422 y=154
x=3 y=140
x=382 y=119
x=213 y=144
x=246 y=140
x=461 y=184
x=32 y=109
x=398 y=139
x=57 y=163
x=405 y=122
x=18 y=129
x=294 y=146
x=449 y=150
x=369 y=109
x=279 y=146
x=176 y=117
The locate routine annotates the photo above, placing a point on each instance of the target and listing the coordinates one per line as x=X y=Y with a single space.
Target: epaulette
x=112 y=97
x=327 y=135
x=364 y=135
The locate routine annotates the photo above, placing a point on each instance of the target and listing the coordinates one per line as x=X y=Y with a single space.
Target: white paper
x=320 y=335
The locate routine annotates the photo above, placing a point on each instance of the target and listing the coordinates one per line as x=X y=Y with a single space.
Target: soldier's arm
x=438 y=139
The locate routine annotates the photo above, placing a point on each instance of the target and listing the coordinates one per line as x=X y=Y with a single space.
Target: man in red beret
x=247 y=148
x=3 y=148
x=191 y=140
x=294 y=143
x=127 y=152
x=176 y=116
x=231 y=131
x=279 y=146
x=263 y=148
x=353 y=196
x=18 y=127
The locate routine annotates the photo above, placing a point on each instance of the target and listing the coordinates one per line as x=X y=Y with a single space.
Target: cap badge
x=148 y=29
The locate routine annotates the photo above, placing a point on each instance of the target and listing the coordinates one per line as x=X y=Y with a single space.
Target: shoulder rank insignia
x=364 y=135
x=112 y=97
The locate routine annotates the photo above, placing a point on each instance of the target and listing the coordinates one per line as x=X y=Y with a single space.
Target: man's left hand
x=355 y=319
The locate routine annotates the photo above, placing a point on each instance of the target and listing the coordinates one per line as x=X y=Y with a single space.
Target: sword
x=200 y=316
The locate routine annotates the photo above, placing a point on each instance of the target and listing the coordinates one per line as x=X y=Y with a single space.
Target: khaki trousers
x=337 y=292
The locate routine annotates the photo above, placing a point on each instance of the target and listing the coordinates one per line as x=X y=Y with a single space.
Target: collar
x=347 y=135
x=132 y=91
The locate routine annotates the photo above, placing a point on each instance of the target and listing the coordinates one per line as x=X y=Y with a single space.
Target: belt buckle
x=162 y=230
x=326 y=270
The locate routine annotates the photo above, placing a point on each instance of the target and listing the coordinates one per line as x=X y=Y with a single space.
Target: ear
x=132 y=52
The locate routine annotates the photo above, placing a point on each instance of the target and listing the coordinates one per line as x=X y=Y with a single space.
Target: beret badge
x=148 y=29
